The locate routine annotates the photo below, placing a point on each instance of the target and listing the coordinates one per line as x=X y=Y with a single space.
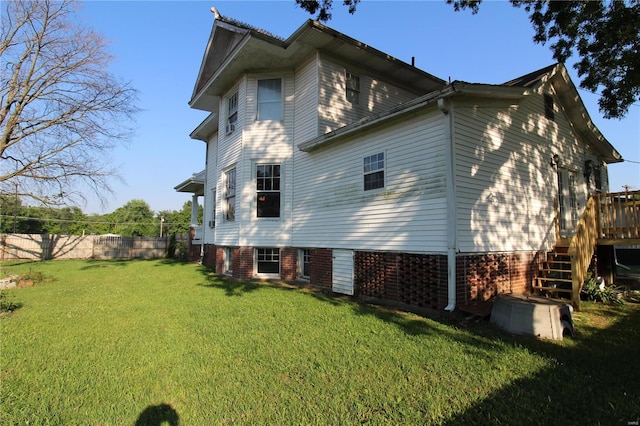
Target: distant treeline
x=134 y=219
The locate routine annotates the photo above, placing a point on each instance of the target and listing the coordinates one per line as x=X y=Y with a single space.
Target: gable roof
x=514 y=89
x=235 y=48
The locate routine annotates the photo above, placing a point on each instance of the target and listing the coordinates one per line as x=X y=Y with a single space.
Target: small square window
x=374 y=171
x=549 y=107
x=352 y=87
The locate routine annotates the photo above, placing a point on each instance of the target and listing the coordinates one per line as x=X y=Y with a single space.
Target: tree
x=604 y=34
x=61 y=110
x=179 y=221
x=135 y=219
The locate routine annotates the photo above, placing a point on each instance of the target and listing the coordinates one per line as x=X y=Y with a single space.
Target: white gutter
x=447 y=110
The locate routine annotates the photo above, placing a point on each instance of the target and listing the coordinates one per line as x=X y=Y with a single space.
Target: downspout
x=451 y=206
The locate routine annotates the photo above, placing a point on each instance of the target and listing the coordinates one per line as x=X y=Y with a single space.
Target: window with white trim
x=270 y=99
x=268 y=190
x=374 y=171
x=304 y=263
x=352 y=83
x=230 y=195
x=227 y=261
x=232 y=113
x=267 y=260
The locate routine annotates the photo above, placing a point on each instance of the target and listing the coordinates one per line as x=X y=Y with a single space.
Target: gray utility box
x=534 y=316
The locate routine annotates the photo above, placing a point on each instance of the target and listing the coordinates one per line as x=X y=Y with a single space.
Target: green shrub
x=595 y=291
x=6 y=304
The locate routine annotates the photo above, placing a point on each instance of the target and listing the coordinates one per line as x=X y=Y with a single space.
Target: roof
x=514 y=89
x=235 y=48
x=531 y=79
x=193 y=185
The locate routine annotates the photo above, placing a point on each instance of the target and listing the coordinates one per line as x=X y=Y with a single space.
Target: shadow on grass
x=595 y=381
x=231 y=287
x=157 y=415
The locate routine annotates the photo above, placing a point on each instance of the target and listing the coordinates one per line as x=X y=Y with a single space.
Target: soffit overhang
x=193 y=185
x=258 y=51
x=208 y=127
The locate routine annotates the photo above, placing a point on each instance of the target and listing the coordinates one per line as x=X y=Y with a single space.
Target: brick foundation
x=414 y=279
x=480 y=277
x=210 y=256
x=321 y=268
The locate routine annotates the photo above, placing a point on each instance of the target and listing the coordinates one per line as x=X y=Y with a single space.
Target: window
x=232 y=112
x=230 y=195
x=352 y=88
x=597 y=176
x=304 y=262
x=268 y=260
x=549 y=107
x=227 y=261
x=374 y=172
x=268 y=189
x=212 y=223
x=270 y=99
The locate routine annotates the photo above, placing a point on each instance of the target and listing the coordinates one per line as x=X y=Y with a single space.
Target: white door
x=342 y=277
x=567 y=202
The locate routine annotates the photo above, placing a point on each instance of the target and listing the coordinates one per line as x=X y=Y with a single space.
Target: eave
x=257 y=51
x=205 y=129
x=193 y=185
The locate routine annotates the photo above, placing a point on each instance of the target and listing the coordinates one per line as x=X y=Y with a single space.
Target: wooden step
x=560 y=280
x=550 y=289
x=559 y=271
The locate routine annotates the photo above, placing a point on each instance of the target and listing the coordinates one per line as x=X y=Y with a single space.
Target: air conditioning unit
x=231 y=127
x=212 y=224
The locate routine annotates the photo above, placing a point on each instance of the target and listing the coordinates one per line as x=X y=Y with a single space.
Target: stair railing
x=581 y=249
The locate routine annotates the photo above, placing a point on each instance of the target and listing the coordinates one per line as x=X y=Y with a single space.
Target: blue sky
x=158 y=46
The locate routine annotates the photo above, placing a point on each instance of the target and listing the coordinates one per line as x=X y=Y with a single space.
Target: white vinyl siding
x=505 y=183
x=210 y=201
x=267 y=142
x=306 y=100
x=331 y=208
x=376 y=96
x=229 y=154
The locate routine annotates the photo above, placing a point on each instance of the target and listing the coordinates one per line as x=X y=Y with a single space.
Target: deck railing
x=618 y=215
x=610 y=218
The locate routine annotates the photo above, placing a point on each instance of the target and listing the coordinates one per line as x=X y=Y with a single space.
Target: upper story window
x=230 y=195
x=232 y=112
x=549 y=107
x=268 y=189
x=374 y=171
x=270 y=99
x=352 y=87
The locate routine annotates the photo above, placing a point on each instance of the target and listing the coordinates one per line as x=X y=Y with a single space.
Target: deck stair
x=554 y=276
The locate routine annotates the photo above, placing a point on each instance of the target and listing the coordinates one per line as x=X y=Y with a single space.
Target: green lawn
x=136 y=342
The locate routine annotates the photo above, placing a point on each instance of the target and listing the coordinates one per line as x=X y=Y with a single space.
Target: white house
x=332 y=162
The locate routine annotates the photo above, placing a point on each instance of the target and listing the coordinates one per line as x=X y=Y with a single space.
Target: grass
x=138 y=342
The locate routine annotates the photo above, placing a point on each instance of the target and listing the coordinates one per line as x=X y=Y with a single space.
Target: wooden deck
x=608 y=219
